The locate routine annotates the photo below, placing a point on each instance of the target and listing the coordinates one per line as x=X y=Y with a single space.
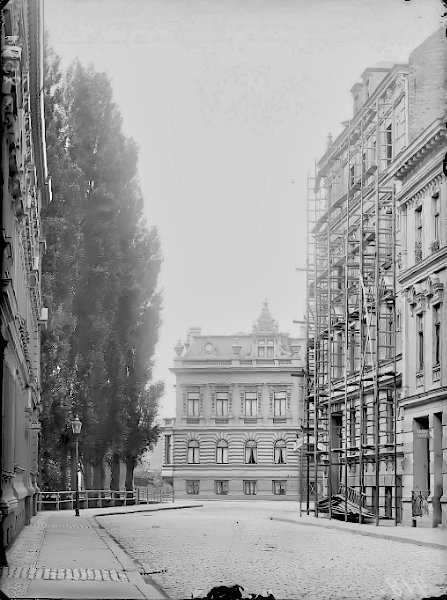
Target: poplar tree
x=99 y=280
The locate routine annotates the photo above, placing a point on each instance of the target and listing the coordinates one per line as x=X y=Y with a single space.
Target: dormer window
x=266 y=348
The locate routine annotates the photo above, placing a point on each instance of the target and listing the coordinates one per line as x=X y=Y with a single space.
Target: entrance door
x=388 y=502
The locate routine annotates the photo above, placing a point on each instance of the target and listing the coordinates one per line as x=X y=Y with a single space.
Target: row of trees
x=99 y=282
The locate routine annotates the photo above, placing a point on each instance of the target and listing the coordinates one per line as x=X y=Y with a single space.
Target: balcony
x=250 y=420
x=221 y=420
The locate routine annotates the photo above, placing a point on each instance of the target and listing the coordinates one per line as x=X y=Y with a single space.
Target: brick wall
x=427 y=82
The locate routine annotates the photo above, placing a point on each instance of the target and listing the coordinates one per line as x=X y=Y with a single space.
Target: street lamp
x=76 y=426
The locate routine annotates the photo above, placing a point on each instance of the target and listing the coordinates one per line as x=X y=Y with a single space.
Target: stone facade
x=238 y=412
x=422 y=224
x=25 y=187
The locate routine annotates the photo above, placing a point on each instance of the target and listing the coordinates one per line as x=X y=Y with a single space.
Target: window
x=389 y=143
x=280 y=399
x=266 y=348
x=192 y=486
x=279 y=487
x=222 y=404
x=221 y=488
x=420 y=342
x=250 y=488
x=168 y=449
x=389 y=337
x=364 y=422
x=390 y=417
x=436 y=217
x=193 y=452
x=351 y=352
x=351 y=175
x=437 y=335
x=222 y=452
x=418 y=223
x=251 y=404
x=280 y=453
x=352 y=425
x=193 y=404
x=251 y=451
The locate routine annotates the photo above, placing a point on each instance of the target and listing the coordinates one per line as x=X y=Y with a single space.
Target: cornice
x=424 y=397
x=432 y=137
x=431 y=264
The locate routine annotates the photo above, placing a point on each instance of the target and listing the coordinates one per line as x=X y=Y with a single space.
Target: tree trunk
x=63 y=480
x=116 y=471
x=130 y=466
x=88 y=476
x=99 y=474
x=73 y=468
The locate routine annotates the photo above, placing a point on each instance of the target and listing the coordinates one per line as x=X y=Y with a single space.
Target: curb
x=383 y=536
x=133 y=512
x=130 y=566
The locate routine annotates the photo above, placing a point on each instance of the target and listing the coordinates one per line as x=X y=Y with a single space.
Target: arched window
x=193 y=452
x=251 y=452
x=280 y=453
x=222 y=452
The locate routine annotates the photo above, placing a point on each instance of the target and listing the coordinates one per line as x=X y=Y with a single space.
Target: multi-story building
x=239 y=409
x=422 y=274
x=367 y=407
x=25 y=186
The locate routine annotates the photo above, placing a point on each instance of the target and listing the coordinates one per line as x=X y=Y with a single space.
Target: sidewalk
x=420 y=536
x=62 y=556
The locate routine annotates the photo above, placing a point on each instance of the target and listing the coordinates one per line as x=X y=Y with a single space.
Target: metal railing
x=65 y=500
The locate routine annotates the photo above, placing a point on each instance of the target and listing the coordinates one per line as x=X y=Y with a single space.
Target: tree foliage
x=99 y=281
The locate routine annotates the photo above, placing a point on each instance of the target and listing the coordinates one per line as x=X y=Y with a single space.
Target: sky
x=230 y=103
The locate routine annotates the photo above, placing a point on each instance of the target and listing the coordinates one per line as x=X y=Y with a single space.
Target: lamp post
x=76 y=427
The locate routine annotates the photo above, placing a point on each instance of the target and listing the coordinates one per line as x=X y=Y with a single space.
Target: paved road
x=236 y=542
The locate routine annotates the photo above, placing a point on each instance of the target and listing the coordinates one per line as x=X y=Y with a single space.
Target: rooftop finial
x=265 y=322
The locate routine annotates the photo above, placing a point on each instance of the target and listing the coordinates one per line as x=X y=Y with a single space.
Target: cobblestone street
x=226 y=543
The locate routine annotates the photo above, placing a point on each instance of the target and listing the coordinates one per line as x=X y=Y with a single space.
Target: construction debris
x=338 y=504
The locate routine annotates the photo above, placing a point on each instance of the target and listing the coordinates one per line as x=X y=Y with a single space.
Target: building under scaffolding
x=354 y=369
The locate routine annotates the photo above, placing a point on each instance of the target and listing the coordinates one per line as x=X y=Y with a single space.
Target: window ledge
x=250 y=420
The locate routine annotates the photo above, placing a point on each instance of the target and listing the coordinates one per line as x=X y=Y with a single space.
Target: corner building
x=239 y=408
x=421 y=197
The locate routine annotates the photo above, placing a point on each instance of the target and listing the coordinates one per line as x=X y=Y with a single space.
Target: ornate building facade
x=239 y=409
x=422 y=226
x=25 y=186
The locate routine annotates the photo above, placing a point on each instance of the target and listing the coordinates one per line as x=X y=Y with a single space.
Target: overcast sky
x=230 y=102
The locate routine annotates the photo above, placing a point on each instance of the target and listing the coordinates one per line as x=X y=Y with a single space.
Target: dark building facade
x=25 y=187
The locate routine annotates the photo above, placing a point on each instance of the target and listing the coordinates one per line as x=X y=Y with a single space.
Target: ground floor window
x=279 y=487
x=221 y=488
x=250 y=488
x=192 y=486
